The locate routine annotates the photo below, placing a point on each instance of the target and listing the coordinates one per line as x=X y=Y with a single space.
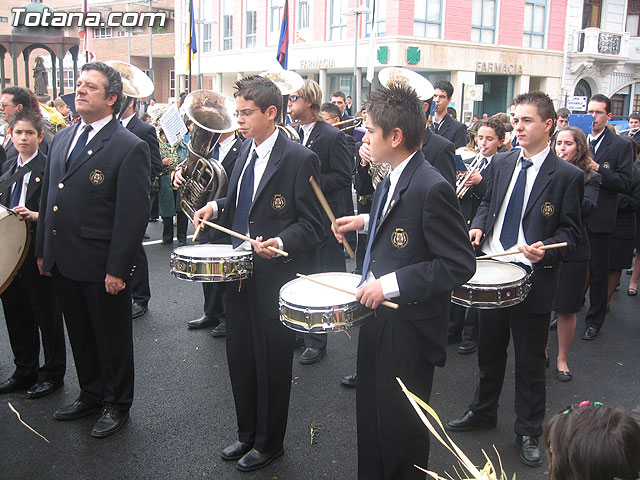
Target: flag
x=192 y=46
x=283 y=44
x=86 y=35
x=372 y=44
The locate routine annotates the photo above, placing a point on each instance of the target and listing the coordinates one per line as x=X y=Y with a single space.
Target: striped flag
x=192 y=46
x=283 y=44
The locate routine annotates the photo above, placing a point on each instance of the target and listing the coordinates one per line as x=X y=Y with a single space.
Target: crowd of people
x=420 y=218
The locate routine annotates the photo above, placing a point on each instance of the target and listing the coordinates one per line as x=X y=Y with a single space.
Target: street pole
x=356 y=78
x=150 y=45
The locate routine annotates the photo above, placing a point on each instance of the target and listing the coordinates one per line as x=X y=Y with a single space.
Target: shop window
x=483 y=21
x=591 y=11
x=534 y=23
x=428 y=18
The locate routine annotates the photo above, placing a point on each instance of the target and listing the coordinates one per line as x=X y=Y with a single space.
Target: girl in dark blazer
x=571 y=145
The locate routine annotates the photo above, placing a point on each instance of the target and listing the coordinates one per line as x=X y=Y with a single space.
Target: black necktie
x=592 y=145
x=245 y=198
x=511 y=224
x=14 y=201
x=79 y=147
x=374 y=225
x=301 y=133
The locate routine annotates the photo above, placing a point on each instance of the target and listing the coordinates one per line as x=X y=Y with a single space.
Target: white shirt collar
x=125 y=121
x=20 y=164
x=264 y=149
x=538 y=158
x=97 y=125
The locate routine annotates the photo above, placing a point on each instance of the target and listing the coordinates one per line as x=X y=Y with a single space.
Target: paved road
x=183 y=412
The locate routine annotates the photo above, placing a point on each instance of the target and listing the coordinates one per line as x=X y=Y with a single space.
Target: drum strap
x=9 y=178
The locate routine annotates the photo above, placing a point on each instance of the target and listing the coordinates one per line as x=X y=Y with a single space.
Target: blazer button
x=54 y=233
x=55 y=208
x=61 y=185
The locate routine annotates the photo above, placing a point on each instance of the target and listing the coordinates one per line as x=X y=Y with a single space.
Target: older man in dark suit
x=29 y=302
x=95 y=206
x=140 y=290
x=270 y=200
x=532 y=198
x=417 y=253
x=613 y=160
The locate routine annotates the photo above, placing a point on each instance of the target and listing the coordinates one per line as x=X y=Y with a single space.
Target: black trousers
x=260 y=356
x=529 y=331
x=140 y=289
x=31 y=310
x=463 y=322
x=100 y=332
x=213 y=292
x=391 y=436
x=598 y=278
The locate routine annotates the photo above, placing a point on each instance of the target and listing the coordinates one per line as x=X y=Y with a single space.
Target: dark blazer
x=423 y=239
x=615 y=157
x=628 y=205
x=336 y=164
x=454 y=131
x=470 y=203
x=284 y=206
x=440 y=153
x=552 y=215
x=229 y=161
x=94 y=215
x=3 y=155
x=589 y=202
x=32 y=200
x=635 y=136
x=147 y=133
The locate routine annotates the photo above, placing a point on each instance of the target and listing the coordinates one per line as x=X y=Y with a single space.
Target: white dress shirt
x=95 y=128
x=25 y=179
x=599 y=138
x=492 y=244
x=225 y=147
x=307 y=128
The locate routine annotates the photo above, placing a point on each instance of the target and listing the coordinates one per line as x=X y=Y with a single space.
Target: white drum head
x=491 y=272
x=209 y=251
x=15 y=234
x=312 y=295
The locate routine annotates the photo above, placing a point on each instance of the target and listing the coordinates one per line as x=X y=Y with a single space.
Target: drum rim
x=175 y=254
x=23 y=255
x=318 y=308
x=493 y=286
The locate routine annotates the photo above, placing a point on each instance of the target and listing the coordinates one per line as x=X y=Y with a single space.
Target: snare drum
x=15 y=236
x=308 y=307
x=494 y=285
x=210 y=263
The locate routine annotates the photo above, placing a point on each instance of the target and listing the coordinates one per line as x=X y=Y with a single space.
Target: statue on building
x=40 y=79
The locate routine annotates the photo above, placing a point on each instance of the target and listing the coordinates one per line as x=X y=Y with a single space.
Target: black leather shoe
x=14 y=384
x=77 y=409
x=255 y=460
x=349 y=380
x=467 y=347
x=220 y=331
x=138 y=310
x=235 y=451
x=299 y=343
x=167 y=241
x=110 y=422
x=591 y=333
x=42 y=389
x=202 y=322
x=312 y=355
x=470 y=421
x=529 y=450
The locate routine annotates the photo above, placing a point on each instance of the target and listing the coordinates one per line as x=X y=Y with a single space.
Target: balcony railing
x=596 y=42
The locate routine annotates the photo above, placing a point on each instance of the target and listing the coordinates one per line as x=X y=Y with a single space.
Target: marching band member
x=269 y=198
x=533 y=198
x=417 y=253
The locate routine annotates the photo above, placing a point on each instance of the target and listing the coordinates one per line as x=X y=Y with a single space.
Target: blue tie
x=79 y=147
x=245 y=198
x=215 y=154
x=511 y=224
x=374 y=225
x=14 y=201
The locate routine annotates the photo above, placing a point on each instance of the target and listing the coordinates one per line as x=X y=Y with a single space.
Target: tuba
x=288 y=82
x=135 y=83
x=205 y=179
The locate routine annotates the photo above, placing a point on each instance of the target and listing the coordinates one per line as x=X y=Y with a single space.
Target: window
x=304 y=14
x=172 y=83
x=250 y=23
x=227 y=24
x=591 y=10
x=428 y=18
x=534 y=23
x=68 y=79
x=108 y=32
x=337 y=19
x=276 y=10
x=206 y=37
x=483 y=21
x=633 y=18
x=4 y=19
x=381 y=14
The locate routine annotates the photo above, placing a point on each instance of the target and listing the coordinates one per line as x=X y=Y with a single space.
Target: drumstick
x=240 y=236
x=386 y=303
x=515 y=252
x=198 y=228
x=323 y=201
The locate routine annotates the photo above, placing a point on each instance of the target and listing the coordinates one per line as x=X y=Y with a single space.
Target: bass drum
x=15 y=235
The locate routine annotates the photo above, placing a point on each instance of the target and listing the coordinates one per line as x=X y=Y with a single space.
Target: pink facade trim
x=458 y=20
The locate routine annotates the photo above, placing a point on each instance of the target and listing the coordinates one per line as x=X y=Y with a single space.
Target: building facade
x=507 y=47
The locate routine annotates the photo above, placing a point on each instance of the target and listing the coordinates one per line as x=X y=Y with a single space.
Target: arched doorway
x=583 y=89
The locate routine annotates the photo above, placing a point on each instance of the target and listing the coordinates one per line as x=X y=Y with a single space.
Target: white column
x=322 y=81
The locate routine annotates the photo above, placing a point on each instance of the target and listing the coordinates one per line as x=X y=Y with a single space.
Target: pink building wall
x=458 y=20
x=556 y=24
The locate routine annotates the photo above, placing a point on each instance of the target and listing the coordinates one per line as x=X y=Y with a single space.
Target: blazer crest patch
x=96 y=177
x=399 y=238
x=606 y=165
x=278 y=202
x=37 y=179
x=547 y=209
